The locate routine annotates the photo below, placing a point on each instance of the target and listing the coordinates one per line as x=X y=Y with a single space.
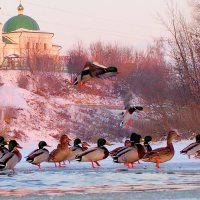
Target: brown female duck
x=61 y=153
x=163 y=154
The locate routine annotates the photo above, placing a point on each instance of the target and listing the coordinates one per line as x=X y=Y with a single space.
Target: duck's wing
x=189 y=147
x=5 y=158
x=96 y=70
x=36 y=153
x=130 y=154
x=117 y=150
x=92 y=154
x=52 y=154
x=123 y=151
x=156 y=153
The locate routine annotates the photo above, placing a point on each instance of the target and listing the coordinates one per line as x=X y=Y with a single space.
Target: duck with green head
x=10 y=159
x=95 y=154
x=147 y=146
x=75 y=149
x=92 y=70
x=193 y=148
x=131 y=154
x=39 y=155
x=3 y=149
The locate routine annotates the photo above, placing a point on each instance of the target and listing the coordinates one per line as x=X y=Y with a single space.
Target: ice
x=176 y=179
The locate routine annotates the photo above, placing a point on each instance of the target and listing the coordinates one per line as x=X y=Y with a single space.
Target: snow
x=176 y=179
x=12 y=96
x=38 y=119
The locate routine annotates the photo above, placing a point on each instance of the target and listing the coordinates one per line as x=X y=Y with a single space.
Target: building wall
x=26 y=42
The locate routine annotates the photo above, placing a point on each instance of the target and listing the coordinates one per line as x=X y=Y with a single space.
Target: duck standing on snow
x=114 y=152
x=92 y=70
x=3 y=149
x=147 y=146
x=193 y=148
x=10 y=159
x=163 y=154
x=129 y=155
x=62 y=152
x=39 y=155
x=95 y=154
x=76 y=149
x=85 y=146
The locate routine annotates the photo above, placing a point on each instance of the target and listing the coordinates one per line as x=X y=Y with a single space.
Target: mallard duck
x=129 y=109
x=62 y=152
x=115 y=151
x=163 y=154
x=193 y=148
x=95 y=154
x=92 y=70
x=10 y=159
x=197 y=155
x=128 y=114
x=85 y=146
x=39 y=155
x=147 y=146
x=3 y=149
x=129 y=155
x=76 y=149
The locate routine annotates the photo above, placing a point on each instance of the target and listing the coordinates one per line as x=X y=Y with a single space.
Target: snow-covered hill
x=33 y=112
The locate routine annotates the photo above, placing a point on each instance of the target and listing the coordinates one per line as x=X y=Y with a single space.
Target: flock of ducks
x=131 y=152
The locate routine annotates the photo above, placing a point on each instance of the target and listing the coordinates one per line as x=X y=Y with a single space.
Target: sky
x=125 y=22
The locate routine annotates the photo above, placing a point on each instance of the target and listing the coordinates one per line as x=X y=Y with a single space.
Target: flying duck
x=92 y=70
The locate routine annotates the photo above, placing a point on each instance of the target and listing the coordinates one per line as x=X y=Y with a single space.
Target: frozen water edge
x=177 y=179
x=82 y=182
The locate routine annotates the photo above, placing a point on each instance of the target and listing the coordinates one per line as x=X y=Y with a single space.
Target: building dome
x=20 y=21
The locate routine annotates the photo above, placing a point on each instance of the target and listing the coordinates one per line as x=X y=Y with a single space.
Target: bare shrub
x=23 y=81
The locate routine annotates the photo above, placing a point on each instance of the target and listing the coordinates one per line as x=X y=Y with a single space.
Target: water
x=175 y=180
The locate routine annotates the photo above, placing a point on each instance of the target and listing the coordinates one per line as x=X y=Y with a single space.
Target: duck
x=95 y=154
x=114 y=152
x=128 y=115
x=62 y=151
x=76 y=149
x=85 y=146
x=163 y=154
x=131 y=154
x=147 y=146
x=92 y=70
x=10 y=159
x=197 y=155
x=3 y=149
x=39 y=155
x=193 y=148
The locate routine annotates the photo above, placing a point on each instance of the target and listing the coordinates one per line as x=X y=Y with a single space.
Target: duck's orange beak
x=48 y=145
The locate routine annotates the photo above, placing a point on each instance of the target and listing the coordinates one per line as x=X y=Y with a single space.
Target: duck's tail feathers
x=78 y=158
x=115 y=159
x=2 y=165
x=30 y=160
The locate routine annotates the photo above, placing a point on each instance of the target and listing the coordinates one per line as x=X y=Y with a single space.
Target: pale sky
x=126 y=22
